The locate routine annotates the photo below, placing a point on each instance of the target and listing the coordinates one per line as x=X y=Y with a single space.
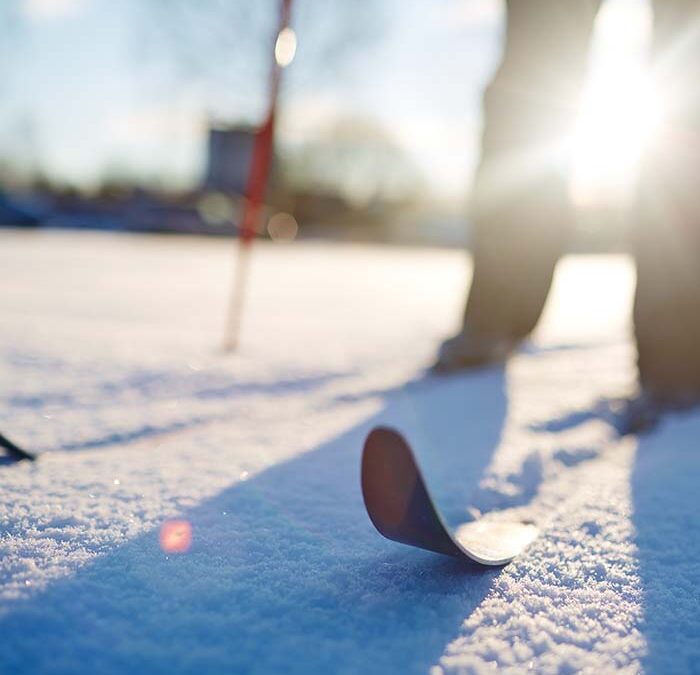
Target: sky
x=92 y=88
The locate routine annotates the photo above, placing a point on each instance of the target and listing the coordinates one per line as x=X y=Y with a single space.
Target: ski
x=400 y=507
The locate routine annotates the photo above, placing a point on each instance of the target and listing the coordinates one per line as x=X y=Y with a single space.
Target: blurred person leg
x=521 y=211
x=667 y=246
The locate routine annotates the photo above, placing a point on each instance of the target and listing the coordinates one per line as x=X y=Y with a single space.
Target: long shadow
x=285 y=573
x=666 y=515
x=155 y=385
x=139 y=390
x=227 y=393
x=133 y=435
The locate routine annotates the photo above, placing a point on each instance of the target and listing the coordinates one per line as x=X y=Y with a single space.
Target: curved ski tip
x=385 y=449
x=395 y=495
x=379 y=434
x=388 y=478
x=400 y=507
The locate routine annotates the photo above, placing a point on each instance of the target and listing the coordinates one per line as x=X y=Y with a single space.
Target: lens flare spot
x=215 y=208
x=176 y=536
x=282 y=227
x=285 y=47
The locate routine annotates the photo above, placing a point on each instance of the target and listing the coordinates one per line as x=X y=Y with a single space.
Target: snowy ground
x=109 y=365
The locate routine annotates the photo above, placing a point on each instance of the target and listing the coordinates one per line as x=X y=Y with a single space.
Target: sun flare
x=620 y=111
x=618 y=117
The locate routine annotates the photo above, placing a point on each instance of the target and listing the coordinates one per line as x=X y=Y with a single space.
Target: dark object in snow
x=15 y=451
x=399 y=505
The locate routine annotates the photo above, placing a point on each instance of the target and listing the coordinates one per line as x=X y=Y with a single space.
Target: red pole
x=258 y=175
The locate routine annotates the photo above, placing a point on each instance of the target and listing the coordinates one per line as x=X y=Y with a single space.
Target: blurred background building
x=229 y=150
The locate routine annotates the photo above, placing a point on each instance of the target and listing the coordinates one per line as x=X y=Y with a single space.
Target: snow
x=110 y=366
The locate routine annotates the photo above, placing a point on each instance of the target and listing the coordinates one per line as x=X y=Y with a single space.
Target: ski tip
x=395 y=495
x=388 y=475
x=400 y=507
x=388 y=466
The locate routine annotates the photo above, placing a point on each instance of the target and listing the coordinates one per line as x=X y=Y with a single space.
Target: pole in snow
x=14 y=451
x=285 y=47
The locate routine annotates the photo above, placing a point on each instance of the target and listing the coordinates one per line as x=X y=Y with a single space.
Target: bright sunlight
x=619 y=110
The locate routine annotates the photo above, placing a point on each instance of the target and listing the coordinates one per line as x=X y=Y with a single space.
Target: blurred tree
x=221 y=46
x=354 y=158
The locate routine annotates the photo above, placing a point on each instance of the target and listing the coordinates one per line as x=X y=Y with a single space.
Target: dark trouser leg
x=521 y=210
x=667 y=301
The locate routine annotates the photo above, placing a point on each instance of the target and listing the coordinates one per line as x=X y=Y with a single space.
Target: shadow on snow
x=285 y=573
x=666 y=516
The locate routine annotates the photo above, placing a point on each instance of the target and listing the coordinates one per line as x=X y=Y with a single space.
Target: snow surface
x=109 y=364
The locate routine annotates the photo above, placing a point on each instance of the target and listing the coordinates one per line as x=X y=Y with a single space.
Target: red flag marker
x=258 y=178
